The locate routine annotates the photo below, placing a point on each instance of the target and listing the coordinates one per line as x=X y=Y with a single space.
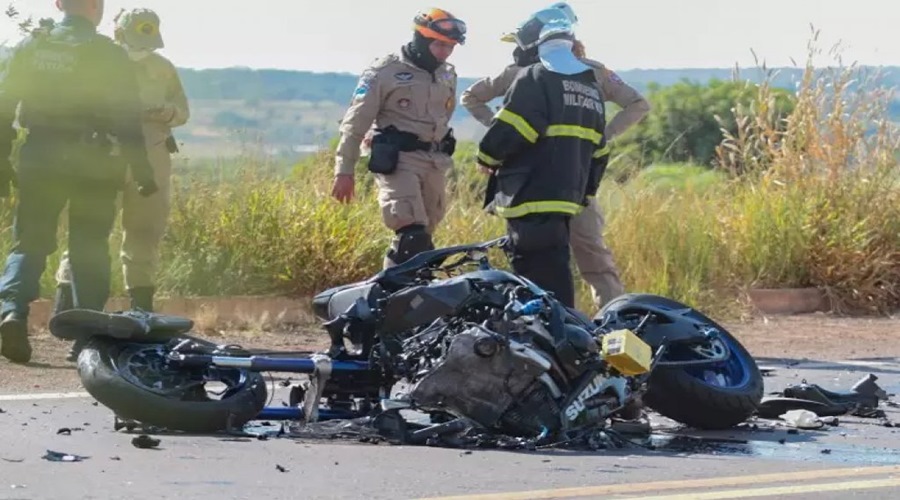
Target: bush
x=818 y=204
x=687 y=119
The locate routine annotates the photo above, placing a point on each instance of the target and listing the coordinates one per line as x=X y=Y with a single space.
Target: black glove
x=147 y=188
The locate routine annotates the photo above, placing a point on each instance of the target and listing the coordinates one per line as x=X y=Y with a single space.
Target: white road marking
x=838 y=364
x=43 y=395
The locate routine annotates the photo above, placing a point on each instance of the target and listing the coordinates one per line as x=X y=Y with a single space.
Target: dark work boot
x=64 y=299
x=14 y=338
x=142 y=298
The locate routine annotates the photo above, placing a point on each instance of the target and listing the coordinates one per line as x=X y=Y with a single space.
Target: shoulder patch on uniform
x=365 y=81
x=613 y=77
x=403 y=76
x=446 y=75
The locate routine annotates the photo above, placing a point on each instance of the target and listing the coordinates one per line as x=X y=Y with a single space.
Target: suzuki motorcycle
x=446 y=335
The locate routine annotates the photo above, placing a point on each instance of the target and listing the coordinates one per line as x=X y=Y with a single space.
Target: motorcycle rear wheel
x=682 y=394
x=129 y=379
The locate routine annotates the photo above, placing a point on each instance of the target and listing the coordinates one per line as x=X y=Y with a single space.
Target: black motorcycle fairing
x=82 y=324
x=500 y=277
x=576 y=317
x=422 y=304
x=332 y=303
x=572 y=344
x=402 y=275
x=596 y=395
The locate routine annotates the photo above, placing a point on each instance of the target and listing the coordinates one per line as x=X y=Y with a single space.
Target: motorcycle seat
x=82 y=324
x=331 y=304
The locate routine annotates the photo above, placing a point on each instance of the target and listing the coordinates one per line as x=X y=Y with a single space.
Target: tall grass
x=811 y=199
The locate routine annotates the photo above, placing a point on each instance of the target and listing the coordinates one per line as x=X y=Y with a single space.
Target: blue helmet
x=543 y=25
x=550 y=13
x=567 y=10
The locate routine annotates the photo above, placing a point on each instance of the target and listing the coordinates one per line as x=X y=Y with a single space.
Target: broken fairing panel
x=597 y=386
x=529 y=355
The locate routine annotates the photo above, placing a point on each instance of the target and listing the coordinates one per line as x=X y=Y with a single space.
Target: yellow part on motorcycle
x=626 y=352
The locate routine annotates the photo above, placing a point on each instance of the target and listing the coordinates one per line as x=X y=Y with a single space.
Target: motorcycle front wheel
x=710 y=396
x=133 y=380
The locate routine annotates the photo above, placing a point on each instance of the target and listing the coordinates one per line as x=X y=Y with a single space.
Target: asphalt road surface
x=857 y=458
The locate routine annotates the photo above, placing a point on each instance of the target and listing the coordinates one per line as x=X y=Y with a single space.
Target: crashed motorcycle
x=445 y=335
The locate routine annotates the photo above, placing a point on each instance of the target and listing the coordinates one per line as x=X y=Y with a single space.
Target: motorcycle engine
x=492 y=380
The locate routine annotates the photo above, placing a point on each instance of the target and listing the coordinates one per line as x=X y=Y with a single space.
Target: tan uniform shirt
x=160 y=86
x=394 y=91
x=634 y=105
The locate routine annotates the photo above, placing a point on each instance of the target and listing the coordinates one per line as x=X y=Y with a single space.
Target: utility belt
x=74 y=136
x=388 y=143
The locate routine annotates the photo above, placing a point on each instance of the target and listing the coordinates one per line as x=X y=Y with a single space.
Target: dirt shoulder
x=814 y=337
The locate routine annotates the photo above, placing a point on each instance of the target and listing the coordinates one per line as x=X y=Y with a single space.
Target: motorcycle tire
x=677 y=394
x=103 y=380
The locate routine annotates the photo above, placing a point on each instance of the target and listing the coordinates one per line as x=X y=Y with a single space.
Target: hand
x=485 y=169
x=343 y=187
x=162 y=113
x=147 y=188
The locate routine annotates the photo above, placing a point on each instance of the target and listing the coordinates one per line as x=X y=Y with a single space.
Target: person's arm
x=634 y=106
x=179 y=112
x=476 y=98
x=126 y=114
x=11 y=89
x=357 y=121
x=517 y=125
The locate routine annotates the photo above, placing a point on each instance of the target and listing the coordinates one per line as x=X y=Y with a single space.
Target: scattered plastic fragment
x=55 y=456
x=802 y=419
x=144 y=441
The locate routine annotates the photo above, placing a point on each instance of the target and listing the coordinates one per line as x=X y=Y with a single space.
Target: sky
x=347 y=35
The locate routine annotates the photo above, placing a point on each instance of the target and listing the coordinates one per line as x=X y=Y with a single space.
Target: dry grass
x=814 y=201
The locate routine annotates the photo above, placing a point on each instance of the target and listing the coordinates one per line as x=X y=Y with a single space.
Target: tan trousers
x=416 y=193
x=144 y=222
x=593 y=258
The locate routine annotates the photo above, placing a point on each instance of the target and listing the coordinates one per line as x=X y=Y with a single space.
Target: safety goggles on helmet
x=567 y=10
x=564 y=7
x=441 y=25
x=541 y=26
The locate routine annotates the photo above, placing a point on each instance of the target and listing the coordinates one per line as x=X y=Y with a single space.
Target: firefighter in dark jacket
x=547 y=151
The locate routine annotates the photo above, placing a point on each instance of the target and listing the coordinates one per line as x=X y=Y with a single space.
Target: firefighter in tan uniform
x=409 y=97
x=594 y=260
x=144 y=219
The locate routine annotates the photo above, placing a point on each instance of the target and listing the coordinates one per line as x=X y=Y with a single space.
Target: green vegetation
x=687 y=119
x=805 y=193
